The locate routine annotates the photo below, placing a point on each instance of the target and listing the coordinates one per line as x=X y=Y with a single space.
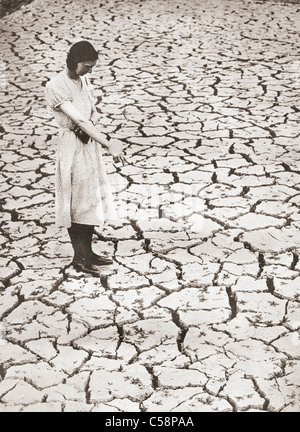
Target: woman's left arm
x=95 y=116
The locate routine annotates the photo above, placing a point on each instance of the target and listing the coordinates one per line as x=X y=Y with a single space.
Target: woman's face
x=85 y=67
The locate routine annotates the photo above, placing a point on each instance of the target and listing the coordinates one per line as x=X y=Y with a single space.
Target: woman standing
x=83 y=197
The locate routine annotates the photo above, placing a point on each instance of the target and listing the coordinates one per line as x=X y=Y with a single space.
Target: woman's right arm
x=114 y=147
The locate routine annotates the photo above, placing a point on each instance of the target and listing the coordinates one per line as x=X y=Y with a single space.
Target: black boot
x=79 y=235
x=94 y=258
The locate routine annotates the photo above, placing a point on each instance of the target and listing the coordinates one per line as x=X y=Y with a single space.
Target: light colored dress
x=83 y=192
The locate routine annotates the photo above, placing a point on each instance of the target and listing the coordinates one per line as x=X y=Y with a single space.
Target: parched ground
x=200 y=311
x=9 y=6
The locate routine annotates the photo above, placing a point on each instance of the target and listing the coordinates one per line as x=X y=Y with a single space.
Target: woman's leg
x=81 y=239
x=93 y=257
x=77 y=237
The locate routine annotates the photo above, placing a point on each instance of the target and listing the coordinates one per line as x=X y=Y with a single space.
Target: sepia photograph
x=149 y=208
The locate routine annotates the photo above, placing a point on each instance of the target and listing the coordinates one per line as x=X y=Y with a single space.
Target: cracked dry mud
x=200 y=310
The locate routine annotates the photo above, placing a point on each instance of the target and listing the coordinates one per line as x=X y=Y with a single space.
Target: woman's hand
x=116 y=150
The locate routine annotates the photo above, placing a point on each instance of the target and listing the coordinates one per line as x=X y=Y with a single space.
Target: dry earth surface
x=200 y=311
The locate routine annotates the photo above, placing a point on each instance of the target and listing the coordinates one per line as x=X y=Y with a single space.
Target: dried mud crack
x=200 y=310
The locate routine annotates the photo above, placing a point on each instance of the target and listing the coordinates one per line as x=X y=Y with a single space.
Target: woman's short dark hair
x=80 y=52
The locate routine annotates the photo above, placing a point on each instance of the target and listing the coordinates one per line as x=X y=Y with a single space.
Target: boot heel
x=85 y=267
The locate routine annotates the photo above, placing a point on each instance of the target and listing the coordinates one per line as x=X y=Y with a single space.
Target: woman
x=83 y=198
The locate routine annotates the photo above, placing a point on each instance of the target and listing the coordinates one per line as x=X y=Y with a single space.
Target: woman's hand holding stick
x=115 y=148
